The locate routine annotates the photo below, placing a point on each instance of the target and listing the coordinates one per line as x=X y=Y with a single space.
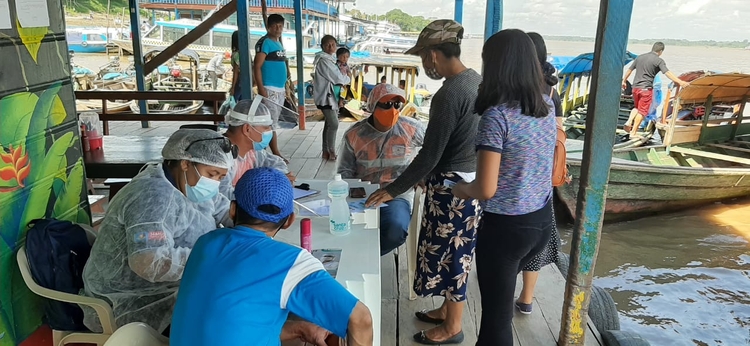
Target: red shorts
x=642 y=99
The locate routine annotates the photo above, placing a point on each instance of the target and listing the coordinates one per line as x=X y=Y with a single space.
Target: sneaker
x=524 y=308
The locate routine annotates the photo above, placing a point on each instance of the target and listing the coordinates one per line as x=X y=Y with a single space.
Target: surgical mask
x=264 y=141
x=432 y=73
x=204 y=190
x=386 y=117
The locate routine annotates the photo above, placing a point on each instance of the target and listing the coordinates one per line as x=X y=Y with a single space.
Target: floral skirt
x=446 y=240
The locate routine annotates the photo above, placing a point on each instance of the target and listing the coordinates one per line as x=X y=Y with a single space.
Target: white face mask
x=432 y=73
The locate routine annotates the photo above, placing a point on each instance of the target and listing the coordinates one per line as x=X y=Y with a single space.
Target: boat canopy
x=725 y=87
x=185 y=53
x=582 y=64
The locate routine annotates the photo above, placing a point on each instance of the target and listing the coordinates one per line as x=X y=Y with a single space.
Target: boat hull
x=88 y=48
x=637 y=190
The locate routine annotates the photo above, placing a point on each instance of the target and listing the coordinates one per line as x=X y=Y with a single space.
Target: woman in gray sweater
x=446 y=238
x=327 y=79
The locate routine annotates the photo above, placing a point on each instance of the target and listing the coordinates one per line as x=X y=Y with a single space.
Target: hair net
x=200 y=146
x=381 y=91
x=252 y=112
x=265 y=186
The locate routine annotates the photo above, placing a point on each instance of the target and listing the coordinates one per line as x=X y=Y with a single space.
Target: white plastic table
x=359 y=266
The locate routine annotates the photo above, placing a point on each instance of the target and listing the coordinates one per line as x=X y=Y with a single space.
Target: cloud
x=692 y=7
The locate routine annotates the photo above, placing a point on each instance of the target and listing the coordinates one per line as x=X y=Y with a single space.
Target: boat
x=700 y=161
x=86 y=40
x=386 y=44
x=113 y=106
x=217 y=40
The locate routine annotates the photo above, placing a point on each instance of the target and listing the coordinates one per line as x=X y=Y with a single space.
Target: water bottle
x=339 y=215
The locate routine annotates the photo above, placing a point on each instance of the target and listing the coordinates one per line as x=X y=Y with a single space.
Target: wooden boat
x=113 y=106
x=700 y=162
x=168 y=107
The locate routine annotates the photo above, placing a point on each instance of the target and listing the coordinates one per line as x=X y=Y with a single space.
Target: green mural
x=41 y=166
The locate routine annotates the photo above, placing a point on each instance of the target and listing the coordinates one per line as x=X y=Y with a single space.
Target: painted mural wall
x=41 y=166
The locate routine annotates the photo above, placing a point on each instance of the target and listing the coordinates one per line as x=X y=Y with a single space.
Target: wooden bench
x=212 y=99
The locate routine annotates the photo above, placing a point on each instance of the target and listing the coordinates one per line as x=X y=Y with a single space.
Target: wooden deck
x=541 y=328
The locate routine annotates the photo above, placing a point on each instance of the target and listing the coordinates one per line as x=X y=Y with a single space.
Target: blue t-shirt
x=273 y=70
x=239 y=285
x=527 y=146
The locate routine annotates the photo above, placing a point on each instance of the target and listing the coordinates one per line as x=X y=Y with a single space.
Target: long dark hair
x=511 y=75
x=236 y=41
x=541 y=53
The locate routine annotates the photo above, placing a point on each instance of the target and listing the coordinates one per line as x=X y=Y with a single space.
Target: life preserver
x=84 y=44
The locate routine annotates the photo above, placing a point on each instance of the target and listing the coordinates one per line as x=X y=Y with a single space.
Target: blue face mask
x=265 y=140
x=203 y=191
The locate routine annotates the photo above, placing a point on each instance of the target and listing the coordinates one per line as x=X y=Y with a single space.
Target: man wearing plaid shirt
x=378 y=149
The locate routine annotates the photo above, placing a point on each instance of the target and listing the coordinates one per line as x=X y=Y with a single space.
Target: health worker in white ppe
x=151 y=225
x=250 y=129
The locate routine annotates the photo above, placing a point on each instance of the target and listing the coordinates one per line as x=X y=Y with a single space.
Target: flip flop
x=422 y=316
x=422 y=338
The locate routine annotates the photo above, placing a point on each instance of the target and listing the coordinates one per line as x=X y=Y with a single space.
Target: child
x=342 y=59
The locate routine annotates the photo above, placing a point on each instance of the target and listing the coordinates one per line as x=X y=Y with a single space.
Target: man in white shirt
x=215 y=68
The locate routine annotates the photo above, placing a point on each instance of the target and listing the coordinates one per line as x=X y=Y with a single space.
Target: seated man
x=378 y=149
x=250 y=130
x=239 y=285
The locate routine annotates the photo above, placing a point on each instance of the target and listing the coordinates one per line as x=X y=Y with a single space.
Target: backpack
x=560 y=174
x=57 y=251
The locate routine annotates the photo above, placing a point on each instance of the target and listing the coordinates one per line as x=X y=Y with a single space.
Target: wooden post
x=738 y=121
x=140 y=74
x=709 y=105
x=611 y=41
x=493 y=20
x=246 y=67
x=264 y=12
x=458 y=10
x=300 y=63
x=200 y=30
x=672 y=122
x=666 y=107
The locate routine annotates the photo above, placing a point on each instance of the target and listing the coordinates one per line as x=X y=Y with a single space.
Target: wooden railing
x=310 y=5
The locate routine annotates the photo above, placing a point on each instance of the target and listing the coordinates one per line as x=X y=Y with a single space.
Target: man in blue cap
x=239 y=285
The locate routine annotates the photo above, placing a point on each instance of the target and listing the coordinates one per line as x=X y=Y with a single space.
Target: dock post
x=246 y=68
x=300 y=63
x=458 y=11
x=493 y=20
x=611 y=42
x=140 y=79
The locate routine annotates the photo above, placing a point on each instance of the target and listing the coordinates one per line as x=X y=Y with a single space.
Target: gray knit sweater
x=449 y=141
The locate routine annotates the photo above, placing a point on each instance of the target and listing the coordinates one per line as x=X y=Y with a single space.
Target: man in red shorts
x=646 y=67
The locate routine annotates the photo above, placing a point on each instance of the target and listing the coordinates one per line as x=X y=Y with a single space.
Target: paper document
x=299 y=193
x=5 y=22
x=330 y=259
x=32 y=13
x=322 y=207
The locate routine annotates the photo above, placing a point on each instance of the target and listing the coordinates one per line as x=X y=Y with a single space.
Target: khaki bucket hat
x=437 y=32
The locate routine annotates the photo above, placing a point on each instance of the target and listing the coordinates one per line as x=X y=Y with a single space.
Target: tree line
x=407 y=22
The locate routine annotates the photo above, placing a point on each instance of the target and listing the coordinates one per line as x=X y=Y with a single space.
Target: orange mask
x=386 y=117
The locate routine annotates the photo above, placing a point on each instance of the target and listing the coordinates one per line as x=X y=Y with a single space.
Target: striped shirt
x=527 y=146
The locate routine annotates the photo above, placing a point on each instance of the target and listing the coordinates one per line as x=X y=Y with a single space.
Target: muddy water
x=678 y=279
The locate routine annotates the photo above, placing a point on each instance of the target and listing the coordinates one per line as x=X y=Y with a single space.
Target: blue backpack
x=57 y=251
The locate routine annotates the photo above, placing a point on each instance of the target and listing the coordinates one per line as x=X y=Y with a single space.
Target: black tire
x=563 y=263
x=622 y=338
x=603 y=311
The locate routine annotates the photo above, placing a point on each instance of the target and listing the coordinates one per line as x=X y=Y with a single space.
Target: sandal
x=422 y=338
x=422 y=316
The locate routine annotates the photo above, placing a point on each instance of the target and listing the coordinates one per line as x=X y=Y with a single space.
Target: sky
x=719 y=20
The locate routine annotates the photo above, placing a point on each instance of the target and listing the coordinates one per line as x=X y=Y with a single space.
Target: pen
x=306 y=208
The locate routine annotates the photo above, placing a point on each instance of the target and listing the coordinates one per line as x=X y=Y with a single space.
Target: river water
x=677 y=279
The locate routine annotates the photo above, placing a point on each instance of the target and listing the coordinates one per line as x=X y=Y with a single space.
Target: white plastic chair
x=136 y=334
x=102 y=308
x=412 y=238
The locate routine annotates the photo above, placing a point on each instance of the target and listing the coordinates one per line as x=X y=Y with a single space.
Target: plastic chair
x=102 y=308
x=412 y=239
x=137 y=334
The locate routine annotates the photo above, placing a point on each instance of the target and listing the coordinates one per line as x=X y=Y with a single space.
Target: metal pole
x=611 y=42
x=300 y=63
x=493 y=20
x=246 y=84
x=140 y=81
x=458 y=12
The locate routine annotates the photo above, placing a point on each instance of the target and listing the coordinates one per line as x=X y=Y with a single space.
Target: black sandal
x=422 y=316
x=422 y=338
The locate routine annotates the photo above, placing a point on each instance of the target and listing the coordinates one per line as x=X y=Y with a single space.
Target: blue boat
x=86 y=40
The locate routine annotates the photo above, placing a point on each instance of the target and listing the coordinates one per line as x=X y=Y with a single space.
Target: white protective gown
x=252 y=159
x=148 y=216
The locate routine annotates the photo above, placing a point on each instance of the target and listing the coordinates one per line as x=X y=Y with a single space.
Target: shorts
x=277 y=100
x=642 y=99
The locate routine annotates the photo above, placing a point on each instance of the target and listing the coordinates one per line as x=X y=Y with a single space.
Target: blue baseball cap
x=267 y=187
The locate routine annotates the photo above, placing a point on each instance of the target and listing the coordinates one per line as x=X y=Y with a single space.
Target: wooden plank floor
x=398 y=324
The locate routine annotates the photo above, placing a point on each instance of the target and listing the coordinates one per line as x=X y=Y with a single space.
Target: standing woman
x=327 y=82
x=514 y=149
x=236 y=89
x=550 y=252
x=446 y=238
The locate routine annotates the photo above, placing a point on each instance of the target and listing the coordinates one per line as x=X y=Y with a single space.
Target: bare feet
x=326 y=156
x=332 y=156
